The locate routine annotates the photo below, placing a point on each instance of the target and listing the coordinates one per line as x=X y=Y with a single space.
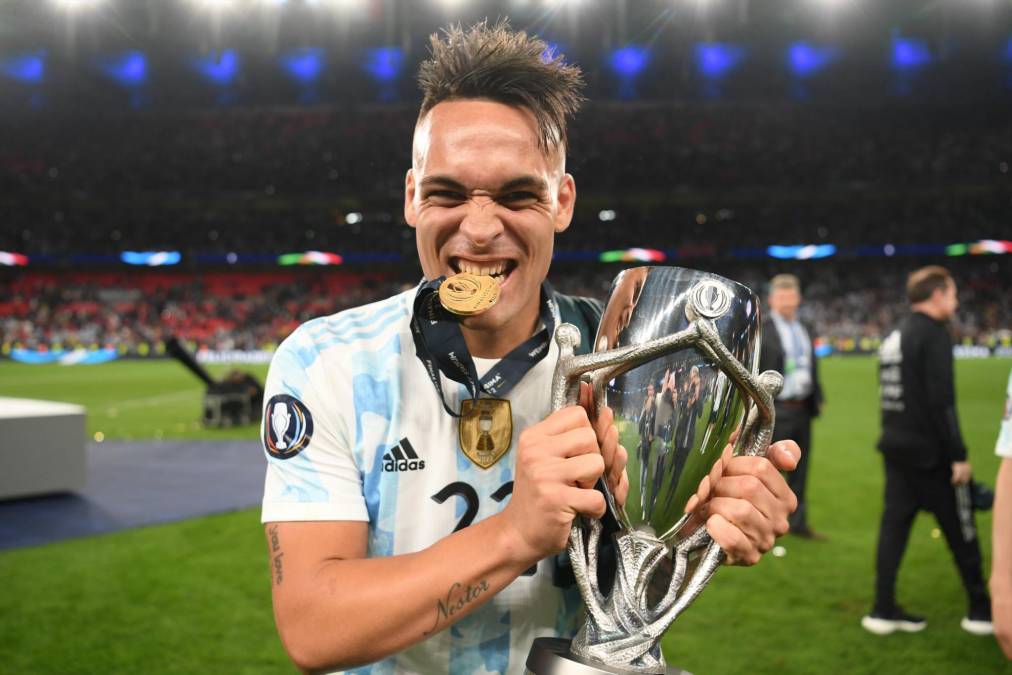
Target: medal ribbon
x=440 y=346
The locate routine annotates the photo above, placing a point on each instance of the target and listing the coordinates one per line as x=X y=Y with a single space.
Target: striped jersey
x=353 y=430
x=1004 y=445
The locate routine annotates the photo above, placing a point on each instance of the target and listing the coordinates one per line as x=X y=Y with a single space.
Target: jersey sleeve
x=1003 y=447
x=311 y=469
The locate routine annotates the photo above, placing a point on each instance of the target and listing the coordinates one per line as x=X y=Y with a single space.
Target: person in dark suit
x=787 y=347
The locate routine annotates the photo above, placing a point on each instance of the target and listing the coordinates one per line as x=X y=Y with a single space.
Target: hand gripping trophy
x=676 y=355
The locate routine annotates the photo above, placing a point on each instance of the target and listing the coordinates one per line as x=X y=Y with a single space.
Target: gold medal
x=485 y=430
x=468 y=294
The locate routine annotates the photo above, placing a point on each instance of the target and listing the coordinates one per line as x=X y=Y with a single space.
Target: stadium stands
x=852 y=304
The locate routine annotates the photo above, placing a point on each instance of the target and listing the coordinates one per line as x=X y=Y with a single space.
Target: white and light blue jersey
x=353 y=430
x=1004 y=445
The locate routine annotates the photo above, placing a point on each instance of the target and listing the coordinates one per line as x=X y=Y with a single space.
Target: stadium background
x=221 y=171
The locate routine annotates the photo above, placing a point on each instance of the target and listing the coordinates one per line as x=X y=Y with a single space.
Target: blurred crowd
x=706 y=180
x=671 y=176
x=851 y=305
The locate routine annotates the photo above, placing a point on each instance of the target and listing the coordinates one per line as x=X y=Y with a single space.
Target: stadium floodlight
x=805 y=59
x=129 y=69
x=384 y=64
x=909 y=54
x=715 y=60
x=29 y=67
x=629 y=61
x=76 y=5
x=214 y=5
x=220 y=68
x=303 y=65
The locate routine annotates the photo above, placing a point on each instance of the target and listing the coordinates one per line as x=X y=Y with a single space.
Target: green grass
x=193 y=597
x=126 y=399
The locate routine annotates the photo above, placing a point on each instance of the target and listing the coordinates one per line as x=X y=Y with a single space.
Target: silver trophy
x=675 y=356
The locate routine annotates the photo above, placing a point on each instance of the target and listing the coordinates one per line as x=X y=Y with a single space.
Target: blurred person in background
x=787 y=348
x=926 y=465
x=1001 y=534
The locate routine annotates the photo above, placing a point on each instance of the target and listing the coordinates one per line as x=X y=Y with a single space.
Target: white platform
x=42 y=447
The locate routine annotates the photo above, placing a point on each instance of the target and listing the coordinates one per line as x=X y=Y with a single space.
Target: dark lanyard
x=440 y=346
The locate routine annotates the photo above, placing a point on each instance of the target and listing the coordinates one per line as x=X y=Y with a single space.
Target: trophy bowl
x=675 y=357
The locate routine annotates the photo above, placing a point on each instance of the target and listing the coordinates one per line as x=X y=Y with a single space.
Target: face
x=785 y=301
x=483 y=197
x=947 y=301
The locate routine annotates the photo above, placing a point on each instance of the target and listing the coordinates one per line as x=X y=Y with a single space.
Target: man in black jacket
x=925 y=458
x=787 y=348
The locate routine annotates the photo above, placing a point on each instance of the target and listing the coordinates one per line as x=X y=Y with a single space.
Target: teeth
x=493 y=269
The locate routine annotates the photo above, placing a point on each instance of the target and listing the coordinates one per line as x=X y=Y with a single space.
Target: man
x=392 y=541
x=647 y=426
x=925 y=459
x=1001 y=534
x=787 y=348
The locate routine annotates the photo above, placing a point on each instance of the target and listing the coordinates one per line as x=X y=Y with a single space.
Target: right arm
x=335 y=608
x=939 y=381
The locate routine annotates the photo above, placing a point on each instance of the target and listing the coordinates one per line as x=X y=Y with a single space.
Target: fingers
x=586 y=398
x=579 y=441
x=586 y=502
x=745 y=502
x=785 y=455
x=582 y=470
x=621 y=491
x=616 y=470
x=607 y=436
x=739 y=548
x=749 y=477
x=562 y=420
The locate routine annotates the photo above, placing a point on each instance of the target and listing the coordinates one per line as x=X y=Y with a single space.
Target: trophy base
x=551 y=656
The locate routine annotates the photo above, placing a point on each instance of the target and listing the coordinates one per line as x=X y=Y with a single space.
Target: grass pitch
x=194 y=597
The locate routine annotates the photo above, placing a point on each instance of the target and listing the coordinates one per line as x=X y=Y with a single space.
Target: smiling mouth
x=499 y=270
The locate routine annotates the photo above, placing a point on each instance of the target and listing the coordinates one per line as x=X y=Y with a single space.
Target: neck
x=487 y=341
x=929 y=309
x=786 y=316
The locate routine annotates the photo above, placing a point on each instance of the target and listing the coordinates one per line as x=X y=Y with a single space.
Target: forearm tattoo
x=276 y=554
x=465 y=597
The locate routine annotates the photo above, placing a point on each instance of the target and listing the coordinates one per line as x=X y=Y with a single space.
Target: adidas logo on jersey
x=402 y=457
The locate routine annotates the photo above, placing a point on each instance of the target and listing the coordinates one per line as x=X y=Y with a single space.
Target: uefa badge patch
x=288 y=426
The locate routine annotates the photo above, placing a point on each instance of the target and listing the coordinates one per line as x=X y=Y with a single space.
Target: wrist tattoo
x=276 y=554
x=466 y=596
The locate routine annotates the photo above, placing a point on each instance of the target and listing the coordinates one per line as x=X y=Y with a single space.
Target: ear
x=410 y=214
x=567 y=202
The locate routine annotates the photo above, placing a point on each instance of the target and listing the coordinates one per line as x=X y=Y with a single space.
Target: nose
x=481 y=224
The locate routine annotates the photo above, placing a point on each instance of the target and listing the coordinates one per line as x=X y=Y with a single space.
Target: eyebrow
x=531 y=182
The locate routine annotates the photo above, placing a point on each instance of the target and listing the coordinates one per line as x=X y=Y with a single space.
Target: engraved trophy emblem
x=676 y=355
x=279 y=423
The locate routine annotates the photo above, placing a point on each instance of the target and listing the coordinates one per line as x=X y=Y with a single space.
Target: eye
x=444 y=197
x=519 y=198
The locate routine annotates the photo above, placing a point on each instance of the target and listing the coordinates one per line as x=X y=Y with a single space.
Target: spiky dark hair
x=500 y=64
